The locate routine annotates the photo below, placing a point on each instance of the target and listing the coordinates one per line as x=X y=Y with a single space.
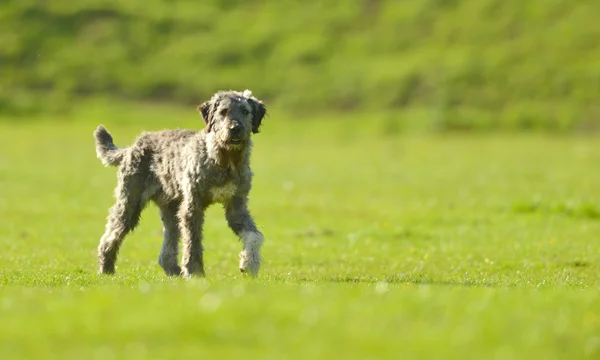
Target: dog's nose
x=235 y=129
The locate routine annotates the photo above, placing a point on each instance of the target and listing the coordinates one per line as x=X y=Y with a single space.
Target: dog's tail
x=106 y=150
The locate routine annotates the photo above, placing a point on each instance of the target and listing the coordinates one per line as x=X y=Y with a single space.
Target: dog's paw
x=174 y=271
x=191 y=273
x=106 y=270
x=249 y=263
x=169 y=265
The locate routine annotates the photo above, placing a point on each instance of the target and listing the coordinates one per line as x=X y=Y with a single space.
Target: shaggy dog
x=183 y=172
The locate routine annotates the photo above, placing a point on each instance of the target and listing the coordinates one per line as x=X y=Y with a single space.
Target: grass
x=380 y=244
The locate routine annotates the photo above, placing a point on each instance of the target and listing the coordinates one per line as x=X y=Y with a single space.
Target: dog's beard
x=221 y=148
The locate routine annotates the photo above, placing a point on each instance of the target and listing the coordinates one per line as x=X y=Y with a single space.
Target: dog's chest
x=222 y=193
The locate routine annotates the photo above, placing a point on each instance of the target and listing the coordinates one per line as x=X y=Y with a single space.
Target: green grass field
x=380 y=243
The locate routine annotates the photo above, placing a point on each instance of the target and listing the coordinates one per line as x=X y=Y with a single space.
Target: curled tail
x=106 y=150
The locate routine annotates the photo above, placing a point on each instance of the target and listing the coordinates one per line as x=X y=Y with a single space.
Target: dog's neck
x=234 y=158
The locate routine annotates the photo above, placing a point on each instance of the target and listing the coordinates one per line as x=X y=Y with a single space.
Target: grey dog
x=183 y=172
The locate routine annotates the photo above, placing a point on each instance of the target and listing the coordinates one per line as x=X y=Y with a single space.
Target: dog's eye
x=245 y=111
x=224 y=112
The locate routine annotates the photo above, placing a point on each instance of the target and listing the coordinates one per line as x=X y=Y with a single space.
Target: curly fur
x=183 y=172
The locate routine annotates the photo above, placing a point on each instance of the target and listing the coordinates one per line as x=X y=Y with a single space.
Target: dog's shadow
x=405 y=280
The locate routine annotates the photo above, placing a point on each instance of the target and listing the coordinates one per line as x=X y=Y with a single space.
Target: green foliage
x=471 y=64
x=401 y=246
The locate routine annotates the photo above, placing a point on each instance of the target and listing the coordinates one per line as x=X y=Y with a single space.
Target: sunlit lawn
x=395 y=246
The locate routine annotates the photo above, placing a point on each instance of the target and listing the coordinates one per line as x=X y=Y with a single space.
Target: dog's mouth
x=234 y=141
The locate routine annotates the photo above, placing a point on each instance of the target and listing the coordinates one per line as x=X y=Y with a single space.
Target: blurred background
x=430 y=64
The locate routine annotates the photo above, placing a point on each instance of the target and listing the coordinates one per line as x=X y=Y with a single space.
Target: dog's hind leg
x=170 y=246
x=191 y=220
x=123 y=217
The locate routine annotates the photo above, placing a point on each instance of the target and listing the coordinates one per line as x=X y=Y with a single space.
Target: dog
x=183 y=172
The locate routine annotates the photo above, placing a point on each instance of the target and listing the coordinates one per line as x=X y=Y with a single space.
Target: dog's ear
x=206 y=110
x=258 y=113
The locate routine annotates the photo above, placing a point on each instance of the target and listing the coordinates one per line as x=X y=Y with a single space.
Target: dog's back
x=158 y=141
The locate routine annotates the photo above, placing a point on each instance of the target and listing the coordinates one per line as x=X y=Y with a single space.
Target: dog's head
x=232 y=116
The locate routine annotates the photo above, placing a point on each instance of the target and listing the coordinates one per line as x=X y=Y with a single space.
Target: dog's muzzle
x=235 y=135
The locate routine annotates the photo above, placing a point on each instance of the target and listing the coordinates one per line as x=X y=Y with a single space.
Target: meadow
x=381 y=242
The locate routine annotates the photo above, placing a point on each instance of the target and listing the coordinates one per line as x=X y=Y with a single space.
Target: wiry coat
x=183 y=172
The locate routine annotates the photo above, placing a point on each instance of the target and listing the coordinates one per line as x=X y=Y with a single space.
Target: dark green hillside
x=460 y=63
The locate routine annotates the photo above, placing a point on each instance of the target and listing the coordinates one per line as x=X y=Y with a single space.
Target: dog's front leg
x=191 y=220
x=241 y=222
